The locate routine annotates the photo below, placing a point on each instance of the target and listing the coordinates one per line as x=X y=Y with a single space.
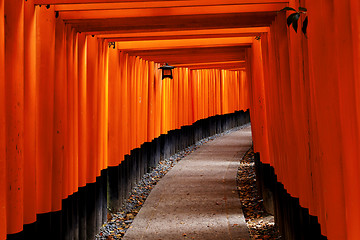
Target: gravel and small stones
x=119 y=222
x=261 y=224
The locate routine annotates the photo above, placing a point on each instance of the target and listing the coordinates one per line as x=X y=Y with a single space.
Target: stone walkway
x=197 y=199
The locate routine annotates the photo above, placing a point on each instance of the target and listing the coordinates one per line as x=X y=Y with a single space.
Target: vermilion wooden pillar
x=60 y=116
x=100 y=108
x=30 y=113
x=186 y=91
x=180 y=112
x=104 y=54
x=175 y=96
x=92 y=107
x=151 y=103
x=82 y=125
x=3 y=182
x=124 y=100
x=45 y=107
x=145 y=100
x=193 y=83
x=132 y=99
x=344 y=50
x=14 y=112
x=70 y=165
x=69 y=124
x=163 y=107
x=325 y=81
x=158 y=91
x=114 y=108
x=217 y=92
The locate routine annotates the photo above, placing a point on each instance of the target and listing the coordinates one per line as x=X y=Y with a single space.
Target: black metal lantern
x=167 y=71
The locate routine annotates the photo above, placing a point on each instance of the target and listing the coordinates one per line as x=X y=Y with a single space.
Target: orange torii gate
x=71 y=107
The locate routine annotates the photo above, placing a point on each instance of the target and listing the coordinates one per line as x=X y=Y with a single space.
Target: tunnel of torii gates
x=72 y=105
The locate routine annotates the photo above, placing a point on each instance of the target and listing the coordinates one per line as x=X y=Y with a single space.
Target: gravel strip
x=119 y=222
x=261 y=224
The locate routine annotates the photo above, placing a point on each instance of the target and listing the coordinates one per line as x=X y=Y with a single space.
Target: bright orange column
x=185 y=89
x=60 y=116
x=124 y=101
x=105 y=63
x=176 y=98
x=45 y=106
x=158 y=91
x=217 y=92
x=193 y=100
x=3 y=182
x=145 y=100
x=82 y=125
x=30 y=113
x=67 y=178
x=100 y=108
x=14 y=112
x=132 y=95
x=92 y=108
x=71 y=163
x=326 y=98
x=349 y=105
x=151 y=103
x=114 y=108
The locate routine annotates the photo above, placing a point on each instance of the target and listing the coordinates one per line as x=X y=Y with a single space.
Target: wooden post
x=14 y=112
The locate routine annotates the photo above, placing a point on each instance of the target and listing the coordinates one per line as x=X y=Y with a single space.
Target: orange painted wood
x=69 y=146
x=132 y=101
x=158 y=97
x=158 y=4
x=174 y=97
x=141 y=1
x=68 y=176
x=92 y=100
x=151 y=103
x=145 y=100
x=126 y=118
x=30 y=113
x=181 y=95
x=326 y=94
x=344 y=52
x=100 y=104
x=14 y=114
x=171 y=11
x=71 y=164
x=194 y=56
x=3 y=180
x=82 y=109
x=169 y=23
x=138 y=101
x=45 y=68
x=184 y=34
x=114 y=108
x=105 y=63
x=60 y=116
x=183 y=43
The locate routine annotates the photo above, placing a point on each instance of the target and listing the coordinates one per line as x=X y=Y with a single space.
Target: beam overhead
x=192 y=33
x=184 y=43
x=147 y=2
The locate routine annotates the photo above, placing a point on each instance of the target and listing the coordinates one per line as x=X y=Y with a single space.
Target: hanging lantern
x=167 y=71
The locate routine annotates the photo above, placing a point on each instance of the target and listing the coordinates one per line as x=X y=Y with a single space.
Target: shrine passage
x=81 y=89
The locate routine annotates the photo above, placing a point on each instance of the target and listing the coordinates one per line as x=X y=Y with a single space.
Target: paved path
x=197 y=199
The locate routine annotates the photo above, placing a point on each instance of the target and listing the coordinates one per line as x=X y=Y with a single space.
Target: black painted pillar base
x=294 y=221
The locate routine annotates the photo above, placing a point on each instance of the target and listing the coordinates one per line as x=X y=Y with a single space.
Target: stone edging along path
x=260 y=223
